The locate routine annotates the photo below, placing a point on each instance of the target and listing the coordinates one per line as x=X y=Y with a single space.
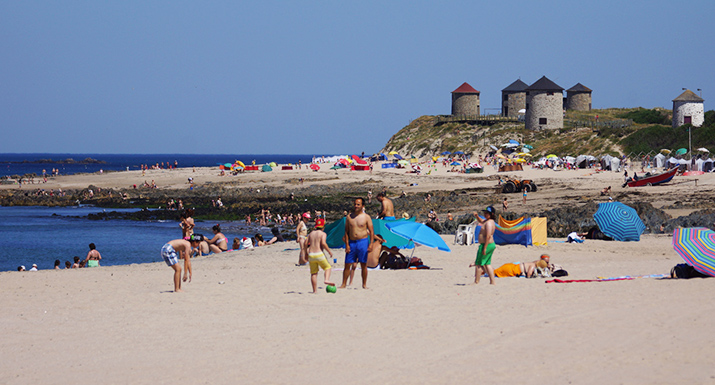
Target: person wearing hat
x=316 y=246
x=34 y=267
x=483 y=261
x=177 y=249
x=302 y=232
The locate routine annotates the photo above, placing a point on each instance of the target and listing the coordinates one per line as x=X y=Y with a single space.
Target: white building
x=688 y=108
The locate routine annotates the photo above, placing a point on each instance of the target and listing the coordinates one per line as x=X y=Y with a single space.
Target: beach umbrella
x=551 y=156
x=240 y=164
x=336 y=167
x=458 y=153
x=455 y=164
x=266 y=167
x=512 y=141
x=419 y=234
x=528 y=146
x=697 y=247
x=416 y=167
x=665 y=151
x=702 y=149
x=681 y=151
x=493 y=147
x=403 y=162
x=392 y=153
x=445 y=153
x=520 y=160
x=314 y=167
x=619 y=221
x=273 y=164
x=527 y=154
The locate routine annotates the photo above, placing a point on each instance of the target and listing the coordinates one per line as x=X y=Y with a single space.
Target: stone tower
x=688 y=108
x=513 y=98
x=578 y=98
x=544 y=105
x=465 y=100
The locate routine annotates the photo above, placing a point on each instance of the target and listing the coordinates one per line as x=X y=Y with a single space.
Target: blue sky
x=321 y=77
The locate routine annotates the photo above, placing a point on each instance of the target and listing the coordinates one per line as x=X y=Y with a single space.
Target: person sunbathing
x=528 y=269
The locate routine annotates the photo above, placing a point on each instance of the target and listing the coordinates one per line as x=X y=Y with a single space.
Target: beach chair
x=465 y=234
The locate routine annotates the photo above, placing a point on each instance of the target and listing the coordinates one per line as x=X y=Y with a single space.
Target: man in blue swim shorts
x=388 y=209
x=359 y=236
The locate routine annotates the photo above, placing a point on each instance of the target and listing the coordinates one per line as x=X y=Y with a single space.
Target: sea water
x=41 y=235
x=13 y=164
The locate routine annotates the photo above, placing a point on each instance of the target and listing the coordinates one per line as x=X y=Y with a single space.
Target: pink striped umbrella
x=697 y=247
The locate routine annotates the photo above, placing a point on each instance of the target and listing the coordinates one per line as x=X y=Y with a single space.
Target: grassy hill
x=616 y=131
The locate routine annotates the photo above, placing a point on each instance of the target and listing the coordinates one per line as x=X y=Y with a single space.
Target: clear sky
x=322 y=77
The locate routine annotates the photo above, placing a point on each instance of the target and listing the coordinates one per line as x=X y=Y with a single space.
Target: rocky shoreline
x=335 y=199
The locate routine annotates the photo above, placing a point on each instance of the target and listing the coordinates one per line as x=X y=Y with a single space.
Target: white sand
x=122 y=325
x=119 y=325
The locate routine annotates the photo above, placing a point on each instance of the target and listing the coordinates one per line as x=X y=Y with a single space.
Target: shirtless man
x=388 y=210
x=486 y=246
x=359 y=237
x=183 y=248
x=93 y=256
x=316 y=257
x=373 y=257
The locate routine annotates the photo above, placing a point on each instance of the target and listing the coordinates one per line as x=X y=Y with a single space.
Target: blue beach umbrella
x=455 y=164
x=419 y=234
x=445 y=153
x=619 y=221
x=458 y=153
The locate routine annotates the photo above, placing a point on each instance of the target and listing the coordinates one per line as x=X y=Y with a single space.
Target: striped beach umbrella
x=697 y=247
x=619 y=221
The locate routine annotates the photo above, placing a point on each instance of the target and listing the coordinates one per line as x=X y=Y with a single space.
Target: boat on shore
x=653 y=179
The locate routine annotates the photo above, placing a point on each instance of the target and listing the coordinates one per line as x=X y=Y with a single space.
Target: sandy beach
x=248 y=317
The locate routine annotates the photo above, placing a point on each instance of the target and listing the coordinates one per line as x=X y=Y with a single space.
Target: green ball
x=331 y=289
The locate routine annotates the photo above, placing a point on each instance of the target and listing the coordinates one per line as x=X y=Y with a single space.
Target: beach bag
x=414 y=261
x=396 y=262
x=560 y=273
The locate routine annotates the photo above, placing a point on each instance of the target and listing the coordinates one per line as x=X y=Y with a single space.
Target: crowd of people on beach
x=91 y=260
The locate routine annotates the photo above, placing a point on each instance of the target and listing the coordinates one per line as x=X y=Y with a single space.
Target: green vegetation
x=616 y=131
x=644 y=116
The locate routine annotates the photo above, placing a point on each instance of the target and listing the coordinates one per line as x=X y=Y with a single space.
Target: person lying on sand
x=686 y=271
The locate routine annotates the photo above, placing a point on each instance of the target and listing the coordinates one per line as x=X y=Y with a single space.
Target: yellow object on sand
x=508 y=270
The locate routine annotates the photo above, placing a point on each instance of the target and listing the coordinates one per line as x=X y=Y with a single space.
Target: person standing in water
x=93 y=257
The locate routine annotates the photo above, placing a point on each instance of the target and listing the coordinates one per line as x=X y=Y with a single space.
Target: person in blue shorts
x=177 y=249
x=358 y=238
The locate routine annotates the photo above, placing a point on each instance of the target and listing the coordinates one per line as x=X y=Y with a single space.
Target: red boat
x=654 y=180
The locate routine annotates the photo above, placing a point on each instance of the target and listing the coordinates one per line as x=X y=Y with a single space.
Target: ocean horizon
x=29 y=163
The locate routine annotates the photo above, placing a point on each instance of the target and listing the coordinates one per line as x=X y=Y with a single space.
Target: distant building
x=513 y=98
x=688 y=108
x=544 y=105
x=578 y=98
x=465 y=100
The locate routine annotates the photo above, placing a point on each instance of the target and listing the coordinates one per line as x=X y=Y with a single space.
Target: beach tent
x=516 y=232
x=659 y=160
x=266 y=167
x=336 y=230
x=357 y=160
x=615 y=164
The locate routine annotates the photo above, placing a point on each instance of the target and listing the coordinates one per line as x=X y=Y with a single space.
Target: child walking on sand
x=316 y=258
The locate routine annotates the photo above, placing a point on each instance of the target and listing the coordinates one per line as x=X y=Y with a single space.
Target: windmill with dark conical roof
x=513 y=98
x=465 y=100
x=688 y=108
x=544 y=105
x=578 y=98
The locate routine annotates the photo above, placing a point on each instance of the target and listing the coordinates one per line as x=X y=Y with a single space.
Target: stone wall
x=579 y=101
x=512 y=102
x=465 y=104
x=544 y=105
x=696 y=110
